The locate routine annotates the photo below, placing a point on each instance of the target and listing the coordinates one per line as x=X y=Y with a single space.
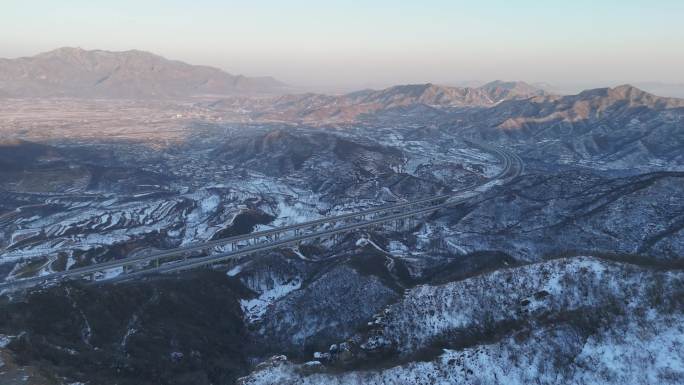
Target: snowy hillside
x=579 y=320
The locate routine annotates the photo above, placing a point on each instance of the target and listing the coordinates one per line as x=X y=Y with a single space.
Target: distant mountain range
x=75 y=72
x=319 y=108
x=665 y=89
x=587 y=105
x=616 y=128
x=608 y=127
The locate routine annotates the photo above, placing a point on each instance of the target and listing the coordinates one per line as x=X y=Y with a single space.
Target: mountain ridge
x=588 y=104
x=314 y=107
x=76 y=72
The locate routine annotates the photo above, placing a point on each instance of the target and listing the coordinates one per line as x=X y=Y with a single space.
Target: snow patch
x=255 y=308
x=5 y=340
x=234 y=271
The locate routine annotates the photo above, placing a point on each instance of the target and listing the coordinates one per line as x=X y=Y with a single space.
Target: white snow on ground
x=571 y=284
x=299 y=254
x=210 y=203
x=5 y=340
x=234 y=271
x=615 y=354
x=630 y=354
x=92 y=224
x=397 y=248
x=454 y=248
x=424 y=235
x=70 y=262
x=196 y=224
x=86 y=226
x=189 y=217
x=109 y=273
x=389 y=262
x=292 y=205
x=641 y=344
x=129 y=332
x=380 y=249
x=255 y=308
x=295 y=212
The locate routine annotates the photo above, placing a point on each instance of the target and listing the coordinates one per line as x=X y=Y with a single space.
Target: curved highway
x=512 y=166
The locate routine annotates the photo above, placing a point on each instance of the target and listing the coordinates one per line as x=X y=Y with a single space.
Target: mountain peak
x=413 y=88
x=77 y=72
x=510 y=88
x=64 y=50
x=628 y=89
x=626 y=92
x=78 y=53
x=503 y=84
x=624 y=89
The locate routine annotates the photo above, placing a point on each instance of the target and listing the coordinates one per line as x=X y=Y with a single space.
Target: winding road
x=181 y=259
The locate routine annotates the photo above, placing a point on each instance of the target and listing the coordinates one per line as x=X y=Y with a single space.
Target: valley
x=567 y=267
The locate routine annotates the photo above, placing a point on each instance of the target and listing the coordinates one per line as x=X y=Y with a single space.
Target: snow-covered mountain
x=617 y=128
x=568 y=273
x=578 y=320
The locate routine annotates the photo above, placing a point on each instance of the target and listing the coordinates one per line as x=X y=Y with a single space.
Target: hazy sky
x=357 y=43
